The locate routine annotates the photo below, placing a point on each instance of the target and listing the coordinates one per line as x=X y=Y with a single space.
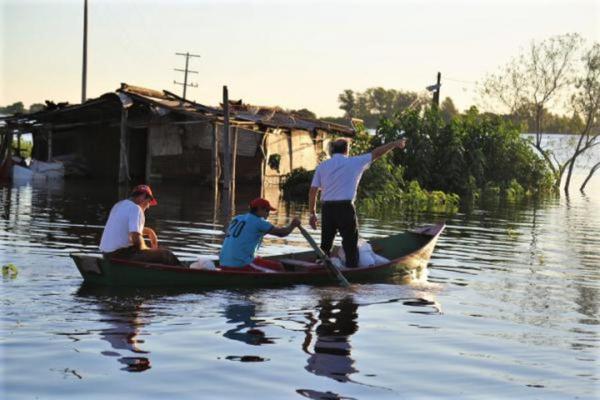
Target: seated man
x=244 y=236
x=124 y=231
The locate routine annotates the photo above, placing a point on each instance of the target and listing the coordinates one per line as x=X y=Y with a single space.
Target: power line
x=461 y=81
x=186 y=71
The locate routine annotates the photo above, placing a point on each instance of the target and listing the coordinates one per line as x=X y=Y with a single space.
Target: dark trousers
x=154 y=256
x=340 y=216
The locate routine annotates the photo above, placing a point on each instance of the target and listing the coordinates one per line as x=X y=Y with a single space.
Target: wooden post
x=226 y=145
x=215 y=157
x=234 y=160
x=123 y=162
x=84 y=69
x=19 y=143
x=49 y=144
x=436 y=94
x=290 y=150
x=233 y=168
x=148 y=154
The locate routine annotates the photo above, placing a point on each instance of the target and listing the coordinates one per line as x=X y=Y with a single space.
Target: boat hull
x=415 y=248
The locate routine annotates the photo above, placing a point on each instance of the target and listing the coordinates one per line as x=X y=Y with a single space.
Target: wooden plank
x=234 y=160
x=49 y=144
x=144 y=91
x=123 y=162
x=226 y=144
x=215 y=158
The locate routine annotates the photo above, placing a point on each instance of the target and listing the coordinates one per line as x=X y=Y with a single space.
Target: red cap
x=145 y=189
x=261 y=203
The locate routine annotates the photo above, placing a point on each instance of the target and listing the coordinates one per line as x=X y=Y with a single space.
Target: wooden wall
x=185 y=152
x=299 y=149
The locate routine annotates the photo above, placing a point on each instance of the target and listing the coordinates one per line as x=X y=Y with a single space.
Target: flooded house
x=138 y=134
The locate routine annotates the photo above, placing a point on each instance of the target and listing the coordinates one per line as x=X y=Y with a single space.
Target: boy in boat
x=123 y=235
x=244 y=236
x=337 y=179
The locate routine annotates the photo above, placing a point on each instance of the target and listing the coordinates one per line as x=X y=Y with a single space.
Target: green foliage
x=296 y=184
x=19 y=108
x=474 y=156
x=471 y=154
x=304 y=113
x=14 y=108
x=376 y=103
x=35 y=107
x=26 y=147
x=361 y=143
x=10 y=270
x=412 y=198
x=448 y=109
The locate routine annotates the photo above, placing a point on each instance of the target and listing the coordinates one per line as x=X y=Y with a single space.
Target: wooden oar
x=328 y=264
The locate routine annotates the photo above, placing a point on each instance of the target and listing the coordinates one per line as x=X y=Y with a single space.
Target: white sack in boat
x=367 y=257
x=337 y=262
x=49 y=170
x=203 y=262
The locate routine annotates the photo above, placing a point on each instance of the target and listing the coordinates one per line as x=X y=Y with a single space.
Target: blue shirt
x=243 y=238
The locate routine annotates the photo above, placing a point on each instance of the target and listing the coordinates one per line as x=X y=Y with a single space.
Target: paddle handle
x=336 y=272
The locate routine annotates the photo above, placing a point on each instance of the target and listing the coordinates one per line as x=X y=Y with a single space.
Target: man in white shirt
x=337 y=179
x=124 y=231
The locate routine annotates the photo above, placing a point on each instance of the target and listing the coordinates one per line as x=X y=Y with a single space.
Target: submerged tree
x=586 y=102
x=549 y=76
x=590 y=174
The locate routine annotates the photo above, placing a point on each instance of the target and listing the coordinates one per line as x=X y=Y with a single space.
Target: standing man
x=124 y=231
x=244 y=236
x=337 y=179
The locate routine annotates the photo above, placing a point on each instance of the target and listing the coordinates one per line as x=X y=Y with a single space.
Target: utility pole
x=436 y=90
x=436 y=93
x=84 y=70
x=185 y=83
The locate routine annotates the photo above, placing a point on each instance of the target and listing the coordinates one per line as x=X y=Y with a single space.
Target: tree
x=35 y=107
x=586 y=102
x=448 y=109
x=15 y=108
x=347 y=102
x=542 y=79
x=304 y=113
x=591 y=173
x=376 y=103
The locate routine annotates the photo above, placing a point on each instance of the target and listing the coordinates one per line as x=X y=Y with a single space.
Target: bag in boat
x=367 y=257
x=203 y=262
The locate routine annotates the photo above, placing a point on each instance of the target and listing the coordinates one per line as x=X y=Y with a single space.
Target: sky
x=294 y=54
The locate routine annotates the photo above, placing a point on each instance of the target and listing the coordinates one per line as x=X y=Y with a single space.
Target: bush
x=470 y=153
x=296 y=184
x=472 y=156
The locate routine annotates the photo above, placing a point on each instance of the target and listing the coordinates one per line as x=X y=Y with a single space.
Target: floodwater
x=508 y=309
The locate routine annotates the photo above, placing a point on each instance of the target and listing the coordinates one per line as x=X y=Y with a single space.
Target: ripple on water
x=509 y=305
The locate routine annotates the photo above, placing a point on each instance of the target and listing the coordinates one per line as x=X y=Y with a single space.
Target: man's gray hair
x=339 y=146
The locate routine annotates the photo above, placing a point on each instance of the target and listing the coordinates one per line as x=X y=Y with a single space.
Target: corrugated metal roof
x=108 y=106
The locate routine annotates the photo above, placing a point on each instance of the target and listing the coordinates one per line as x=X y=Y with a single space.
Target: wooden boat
x=406 y=252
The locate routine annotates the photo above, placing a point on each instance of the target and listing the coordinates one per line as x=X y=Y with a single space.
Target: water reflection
x=123 y=315
x=520 y=294
x=331 y=353
x=247 y=328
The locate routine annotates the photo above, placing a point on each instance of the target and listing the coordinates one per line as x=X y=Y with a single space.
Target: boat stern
x=90 y=266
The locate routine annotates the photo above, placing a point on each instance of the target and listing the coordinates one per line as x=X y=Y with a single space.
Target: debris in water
x=10 y=270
